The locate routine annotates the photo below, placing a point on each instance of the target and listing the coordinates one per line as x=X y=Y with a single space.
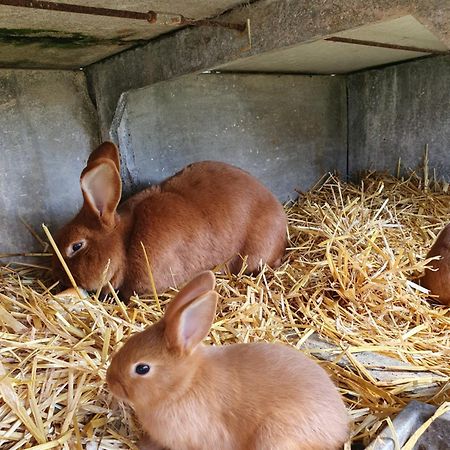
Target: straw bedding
x=348 y=275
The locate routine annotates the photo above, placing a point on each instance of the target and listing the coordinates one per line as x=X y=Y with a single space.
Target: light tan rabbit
x=207 y=214
x=437 y=280
x=237 y=397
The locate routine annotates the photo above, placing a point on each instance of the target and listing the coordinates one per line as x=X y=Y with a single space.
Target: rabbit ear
x=191 y=324
x=202 y=283
x=107 y=150
x=101 y=186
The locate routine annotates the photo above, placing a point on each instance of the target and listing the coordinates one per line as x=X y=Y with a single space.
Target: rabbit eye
x=75 y=247
x=142 y=369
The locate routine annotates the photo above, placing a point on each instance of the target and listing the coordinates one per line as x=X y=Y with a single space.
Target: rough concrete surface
x=41 y=38
x=47 y=129
x=327 y=57
x=415 y=414
x=380 y=367
x=394 y=112
x=286 y=130
x=274 y=25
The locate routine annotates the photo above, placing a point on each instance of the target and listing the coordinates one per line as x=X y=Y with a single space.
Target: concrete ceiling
x=31 y=38
x=323 y=56
x=41 y=38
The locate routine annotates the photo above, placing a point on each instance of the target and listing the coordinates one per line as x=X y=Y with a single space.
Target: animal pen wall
x=288 y=130
x=308 y=88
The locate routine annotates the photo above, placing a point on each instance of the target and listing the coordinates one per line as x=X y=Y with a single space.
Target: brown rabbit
x=236 y=397
x=207 y=214
x=438 y=279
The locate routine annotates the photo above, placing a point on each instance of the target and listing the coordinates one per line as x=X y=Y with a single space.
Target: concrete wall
x=274 y=25
x=47 y=128
x=286 y=130
x=394 y=112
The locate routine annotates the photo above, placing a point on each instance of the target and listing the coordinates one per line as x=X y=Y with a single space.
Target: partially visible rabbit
x=437 y=280
x=207 y=214
x=235 y=397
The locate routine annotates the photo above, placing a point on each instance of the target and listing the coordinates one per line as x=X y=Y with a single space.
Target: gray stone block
x=436 y=436
x=286 y=130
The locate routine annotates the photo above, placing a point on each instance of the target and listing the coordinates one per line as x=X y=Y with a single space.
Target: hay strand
x=349 y=278
x=61 y=259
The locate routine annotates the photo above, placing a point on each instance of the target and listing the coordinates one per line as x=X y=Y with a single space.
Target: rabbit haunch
x=235 y=397
x=207 y=214
x=437 y=277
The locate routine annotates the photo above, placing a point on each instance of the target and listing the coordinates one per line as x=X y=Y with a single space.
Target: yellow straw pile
x=348 y=276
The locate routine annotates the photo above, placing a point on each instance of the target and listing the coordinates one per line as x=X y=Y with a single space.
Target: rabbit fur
x=207 y=214
x=256 y=396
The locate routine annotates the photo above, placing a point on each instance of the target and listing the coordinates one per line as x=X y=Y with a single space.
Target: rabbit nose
x=64 y=283
x=56 y=267
x=61 y=276
x=117 y=389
